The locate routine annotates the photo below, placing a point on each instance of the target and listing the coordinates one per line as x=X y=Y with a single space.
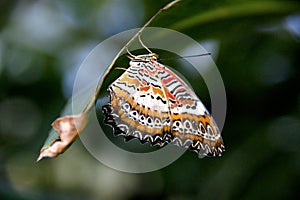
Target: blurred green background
x=255 y=45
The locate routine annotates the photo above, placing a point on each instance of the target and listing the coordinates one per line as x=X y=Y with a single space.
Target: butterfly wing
x=138 y=106
x=191 y=124
x=151 y=103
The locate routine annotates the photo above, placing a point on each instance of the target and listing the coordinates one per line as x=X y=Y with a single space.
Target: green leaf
x=250 y=9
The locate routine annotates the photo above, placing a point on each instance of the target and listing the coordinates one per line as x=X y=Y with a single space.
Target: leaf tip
x=40 y=157
x=46 y=153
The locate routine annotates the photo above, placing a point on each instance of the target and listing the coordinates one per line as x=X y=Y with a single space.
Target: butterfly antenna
x=181 y=57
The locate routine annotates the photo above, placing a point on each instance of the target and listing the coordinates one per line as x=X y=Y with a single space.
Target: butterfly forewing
x=192 y=126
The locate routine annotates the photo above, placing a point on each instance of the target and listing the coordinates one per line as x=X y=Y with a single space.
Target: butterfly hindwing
x=138 y=107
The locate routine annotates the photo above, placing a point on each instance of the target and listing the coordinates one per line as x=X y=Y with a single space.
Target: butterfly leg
x=140 y=40
x=130 y=55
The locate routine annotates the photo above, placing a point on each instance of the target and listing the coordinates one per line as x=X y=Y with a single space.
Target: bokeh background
x=255 y=45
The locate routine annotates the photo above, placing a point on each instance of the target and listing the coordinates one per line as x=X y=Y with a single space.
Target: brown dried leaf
x=68 y=129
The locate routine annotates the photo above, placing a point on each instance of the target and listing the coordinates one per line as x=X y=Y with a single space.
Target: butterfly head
x=146 y=57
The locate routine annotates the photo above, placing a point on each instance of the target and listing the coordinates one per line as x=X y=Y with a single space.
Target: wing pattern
x=151 y=103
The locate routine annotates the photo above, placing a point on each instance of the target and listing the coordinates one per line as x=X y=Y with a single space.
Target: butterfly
x=151 y=103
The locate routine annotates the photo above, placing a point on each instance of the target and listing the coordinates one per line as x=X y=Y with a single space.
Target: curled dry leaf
x=68 y=129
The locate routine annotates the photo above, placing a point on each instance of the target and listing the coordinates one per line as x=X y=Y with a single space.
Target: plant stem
x=90 y=104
